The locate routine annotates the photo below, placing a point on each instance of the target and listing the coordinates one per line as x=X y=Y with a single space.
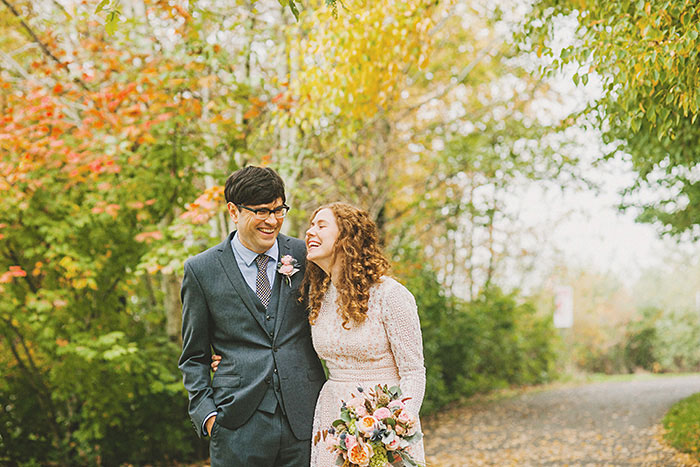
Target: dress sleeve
x=402 y=326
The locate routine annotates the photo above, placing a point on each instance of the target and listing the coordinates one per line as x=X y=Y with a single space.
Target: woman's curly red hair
x=362 y=265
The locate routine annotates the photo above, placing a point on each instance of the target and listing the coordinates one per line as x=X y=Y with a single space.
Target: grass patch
x=682 y=424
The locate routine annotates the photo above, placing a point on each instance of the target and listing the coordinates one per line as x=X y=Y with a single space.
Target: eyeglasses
x=264 y=213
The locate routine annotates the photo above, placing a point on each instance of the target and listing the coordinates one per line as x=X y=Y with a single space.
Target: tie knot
x=261 y=261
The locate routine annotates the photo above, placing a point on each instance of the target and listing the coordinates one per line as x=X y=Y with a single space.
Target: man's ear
x=233 y=210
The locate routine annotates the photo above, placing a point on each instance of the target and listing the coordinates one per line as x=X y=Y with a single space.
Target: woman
x=364 y=324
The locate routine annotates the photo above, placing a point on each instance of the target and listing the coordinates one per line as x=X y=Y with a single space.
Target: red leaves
x=9 y=276
x=148 y=237
x=110 y=209
x=205 y=206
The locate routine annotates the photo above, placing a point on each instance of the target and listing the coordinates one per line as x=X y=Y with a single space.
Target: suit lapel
x=228 y=262
x=285 y=289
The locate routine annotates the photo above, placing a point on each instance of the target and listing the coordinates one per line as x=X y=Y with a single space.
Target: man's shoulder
x=292 y=242
x=206 y=256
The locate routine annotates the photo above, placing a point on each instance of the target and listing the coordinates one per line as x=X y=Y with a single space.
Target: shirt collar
x=249 y=256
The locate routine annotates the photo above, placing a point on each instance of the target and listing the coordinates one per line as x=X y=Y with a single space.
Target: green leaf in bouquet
x=345 y=416
x=389 y=422
x=337 y=423
x=395 y=392
x=414 y=438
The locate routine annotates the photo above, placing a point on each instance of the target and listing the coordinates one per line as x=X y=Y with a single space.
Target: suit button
x=275 y=349
x=268 y=317
x=268 y=380
x=275 y=370
x=272 y=333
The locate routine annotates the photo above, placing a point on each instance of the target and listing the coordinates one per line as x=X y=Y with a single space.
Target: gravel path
x=612 y=423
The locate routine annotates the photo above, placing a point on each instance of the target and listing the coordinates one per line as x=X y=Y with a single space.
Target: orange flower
x=366 y=424
x=361 y=454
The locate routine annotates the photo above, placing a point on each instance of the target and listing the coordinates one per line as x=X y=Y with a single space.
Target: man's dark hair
x=253 y=185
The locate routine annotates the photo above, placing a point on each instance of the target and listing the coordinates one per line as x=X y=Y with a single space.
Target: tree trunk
x=170 y=285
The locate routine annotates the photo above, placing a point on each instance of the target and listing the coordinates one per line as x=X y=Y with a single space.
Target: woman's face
x=320 y=239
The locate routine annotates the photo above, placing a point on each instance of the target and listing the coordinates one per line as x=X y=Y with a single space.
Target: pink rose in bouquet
x=358 y=405
x=350 y=442
x=394 y=444
x=396 y=404
x=381 y=413
x=404 y=417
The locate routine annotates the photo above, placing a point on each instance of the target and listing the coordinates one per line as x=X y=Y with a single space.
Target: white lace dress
x=385 y=349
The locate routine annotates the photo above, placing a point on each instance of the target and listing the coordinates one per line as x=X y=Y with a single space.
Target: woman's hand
x=215 y=360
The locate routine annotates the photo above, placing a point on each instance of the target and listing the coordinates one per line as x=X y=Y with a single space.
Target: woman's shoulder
x=391 y=286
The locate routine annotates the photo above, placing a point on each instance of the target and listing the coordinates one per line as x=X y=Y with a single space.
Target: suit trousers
x=265 y=440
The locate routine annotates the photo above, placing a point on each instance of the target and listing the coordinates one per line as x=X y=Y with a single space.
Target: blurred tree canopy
x=647 y=55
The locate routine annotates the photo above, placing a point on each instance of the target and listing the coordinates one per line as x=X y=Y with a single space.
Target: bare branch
x=41 y=45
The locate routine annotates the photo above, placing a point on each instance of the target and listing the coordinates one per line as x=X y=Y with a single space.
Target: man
x=258 y=408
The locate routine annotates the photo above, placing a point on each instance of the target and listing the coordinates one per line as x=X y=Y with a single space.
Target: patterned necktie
x=262 y=283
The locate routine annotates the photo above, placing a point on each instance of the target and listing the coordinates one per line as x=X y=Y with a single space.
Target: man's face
x=256 y=234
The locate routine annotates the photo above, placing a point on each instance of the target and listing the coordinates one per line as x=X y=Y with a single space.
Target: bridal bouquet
x=374 y=429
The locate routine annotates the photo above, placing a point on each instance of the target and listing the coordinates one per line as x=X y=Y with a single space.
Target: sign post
x=563 y=307
x=564 y=321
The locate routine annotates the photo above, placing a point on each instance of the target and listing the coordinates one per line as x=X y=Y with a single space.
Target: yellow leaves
x=78 y=277
x=251 y=113
x=146 y=138
x=84 y=283
x=357 y=63
x=207 y=81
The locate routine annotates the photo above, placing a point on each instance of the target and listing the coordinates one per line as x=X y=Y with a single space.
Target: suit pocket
x=226 y=381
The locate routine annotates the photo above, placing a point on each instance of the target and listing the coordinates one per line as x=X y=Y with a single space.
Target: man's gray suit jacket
x=220 y=312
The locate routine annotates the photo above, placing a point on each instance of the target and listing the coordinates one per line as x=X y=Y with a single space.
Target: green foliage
x=682 y=424
x=676 y=344
x=476 y=346
x=640 y=342
x=660 y=341
x=646 y=54
x=109 y=396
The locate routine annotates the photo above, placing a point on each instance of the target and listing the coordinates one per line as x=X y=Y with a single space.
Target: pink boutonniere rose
x=288 y=267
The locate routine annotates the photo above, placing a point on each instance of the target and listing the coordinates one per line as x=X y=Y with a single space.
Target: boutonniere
x=288 y=267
